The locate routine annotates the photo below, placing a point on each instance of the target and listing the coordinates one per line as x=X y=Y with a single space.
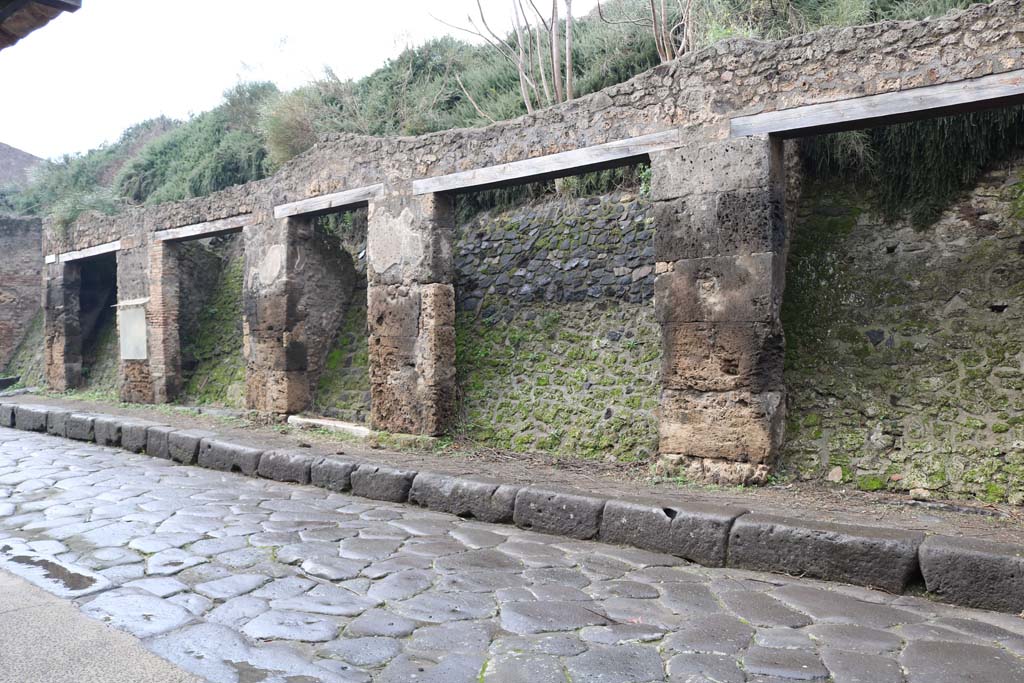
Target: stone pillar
x=62 y=330
x=273 y=319
x=720 y=248
x=411 y=314
x=162 y=315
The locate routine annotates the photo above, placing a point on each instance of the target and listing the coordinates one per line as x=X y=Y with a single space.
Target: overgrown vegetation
x=447 y=83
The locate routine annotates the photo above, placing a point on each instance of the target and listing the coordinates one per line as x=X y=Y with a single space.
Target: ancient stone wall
x=905 y=353
x=21 y=266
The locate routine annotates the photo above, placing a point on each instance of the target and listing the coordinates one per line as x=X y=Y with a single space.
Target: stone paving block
x=696 y=532
x=183 y=445
x=30 y=418
x=107 y=430
x=157 y=444
x=382 y=483
x=866 y=556
x=7 y=415
x=225 y=456
x=287 y=466
x=80 y=427
x=332 y=474
x=134 y=435
x=945 y=662
x=560 y=513
x=974 y=573
x=56 y=422
x=467 y=498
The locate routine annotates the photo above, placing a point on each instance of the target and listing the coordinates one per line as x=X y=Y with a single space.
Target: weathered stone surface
x=107 y=430
x=737 y=426
x=559 y=513
x=727 y=289
x=373 y=651
x=56 y=421
x=867 y=556
x=722 y=356
x=467 y=498
x=382 y=483
x=79 y=427
x=695 y=532
x=945 y=662
x=281 y=625
x=287 y=466
x=7 y=414
x=333 y=474
x=157 y=441
x=141 y=614
x=227 y=456
x=616 y=664
x=134 y=435
x=797 y=665
x=379 y=622
x=30 y=418
x=183 y=444
x=855 y=667
x=546 y=617
x=974 y=573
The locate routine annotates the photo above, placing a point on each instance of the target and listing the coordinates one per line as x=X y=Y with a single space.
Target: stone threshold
x=968 y=572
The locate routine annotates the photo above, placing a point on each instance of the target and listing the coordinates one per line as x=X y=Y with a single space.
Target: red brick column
x=162 y=313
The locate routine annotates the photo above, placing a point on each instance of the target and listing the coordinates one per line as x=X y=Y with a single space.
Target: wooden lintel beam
x=204 y=230
x=598 y=157
x=88 y=252
x=987 y=92
x=63 y=5
x=338 y=201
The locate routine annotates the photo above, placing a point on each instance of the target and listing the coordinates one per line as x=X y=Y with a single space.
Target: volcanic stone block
x=560 y=513
x=57 y=422
x=693 y=531
x=743 y=288
x=80 y=427
x=722 y=356
x=332 y=474
x=707 y=166
x=382 y=483
x=7 y=414
x=217 y=454
x=134 y=435
x=30 y=418
x=157 y=441
x=469 y=498
x=287 y=466
x=394 y=310
x=733 y=425
x=107 y=430
x=974 y=572
x=183 y=445
x=867 y=556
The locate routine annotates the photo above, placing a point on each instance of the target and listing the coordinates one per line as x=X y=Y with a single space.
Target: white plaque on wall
x=131 y=322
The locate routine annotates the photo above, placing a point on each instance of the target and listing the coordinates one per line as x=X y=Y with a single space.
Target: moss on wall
x=218 y=374
x=101 y=358
x=27 y=361
x=905 y=348
x=343 y=390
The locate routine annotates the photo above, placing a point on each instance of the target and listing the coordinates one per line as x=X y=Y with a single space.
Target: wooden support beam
x=598 y=157
x=988 y=92
x=85 y=253
x=203 y=230
x=63 y=5
x=349 y=199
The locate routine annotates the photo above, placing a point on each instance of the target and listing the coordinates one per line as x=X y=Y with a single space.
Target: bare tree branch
x=472 y=101
x=568 y=51
x=556 y=60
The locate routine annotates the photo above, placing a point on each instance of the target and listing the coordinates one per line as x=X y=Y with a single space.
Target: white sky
x=85 y=77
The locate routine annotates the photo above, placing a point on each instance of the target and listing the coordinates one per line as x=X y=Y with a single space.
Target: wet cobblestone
x=240 y=579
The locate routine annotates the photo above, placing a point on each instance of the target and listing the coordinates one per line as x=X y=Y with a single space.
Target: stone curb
x=962 y=571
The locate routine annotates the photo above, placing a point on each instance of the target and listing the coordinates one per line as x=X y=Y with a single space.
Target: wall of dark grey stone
x=21 y=276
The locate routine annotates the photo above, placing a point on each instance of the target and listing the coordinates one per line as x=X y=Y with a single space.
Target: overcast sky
x=84 y=78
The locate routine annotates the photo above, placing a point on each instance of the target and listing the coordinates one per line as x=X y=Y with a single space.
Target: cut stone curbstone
x=157 y=441
x=57 y=422
x=382 y=483
x=30 y=418
x=135 y=435
x=183 y=445
x=287 y=466
x=7 y=415
x=107 y=430
x=867 y=556
x=333 y=475
x=225 y=456
x=559 y=513
x=974 y=572
x=79 y=427
x=487 y=501
x=693 y=531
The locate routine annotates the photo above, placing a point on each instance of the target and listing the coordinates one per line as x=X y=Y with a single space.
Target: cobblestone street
x=240 y=579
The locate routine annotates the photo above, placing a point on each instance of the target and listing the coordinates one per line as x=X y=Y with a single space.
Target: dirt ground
x=804 y=500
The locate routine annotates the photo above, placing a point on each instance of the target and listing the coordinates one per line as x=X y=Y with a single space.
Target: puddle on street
x=71 y=580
